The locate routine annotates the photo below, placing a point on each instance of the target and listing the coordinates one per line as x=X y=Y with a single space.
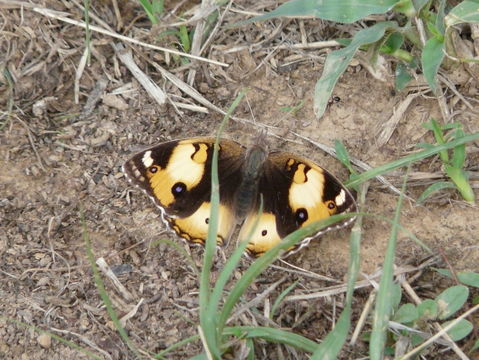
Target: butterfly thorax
x=246 y=195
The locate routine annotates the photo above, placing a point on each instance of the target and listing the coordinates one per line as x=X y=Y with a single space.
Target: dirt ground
x=61 y=160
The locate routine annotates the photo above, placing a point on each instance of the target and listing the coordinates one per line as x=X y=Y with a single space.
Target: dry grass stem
x=303 y=272
x=131 y=313
x=188 y=90
x=215 y=30
x=444 y=79
x=151 y=88
x=84 y=340
x=78 y=75
x=54 y=15
x=255 y=301
x=105 y=268
x=388 y=127
x=119 y=18
x=337 y=289
x=368 y=306
x=309 y=46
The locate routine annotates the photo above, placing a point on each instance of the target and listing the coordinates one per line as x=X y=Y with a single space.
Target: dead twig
x=151 y=88
x=390 y=125
x=103 y=266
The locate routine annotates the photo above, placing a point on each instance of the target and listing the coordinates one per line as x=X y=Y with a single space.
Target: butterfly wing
x=296 y=192
x=176 y=175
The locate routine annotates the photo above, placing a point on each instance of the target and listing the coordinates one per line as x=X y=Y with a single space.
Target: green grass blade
x=419 y=4
x=466 y=12
x=228 y=271
x=102 y=292
x=407 y=7
x=438 y=186
x=434 y=126
x=383 y=308
x=273 y=335
x=343 y=11
x=176 y=345
x=271 y=255
x=184 y=38
x=158 y=6
x=475 y=347
x=149 y=9
x=337 y=62
x=343 y=156
x=367 y=175
x=459 y=152
x=393 y=43
x=250 y=346
x=208 y=320
x=440 y=25
x=431 y=58
x=460 y=179
x=280 y=298
x=334 y=341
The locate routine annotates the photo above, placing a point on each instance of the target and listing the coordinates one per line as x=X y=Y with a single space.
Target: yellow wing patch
x=264 y=236
x=186 y=165
x=194 y=228
x=306 y=192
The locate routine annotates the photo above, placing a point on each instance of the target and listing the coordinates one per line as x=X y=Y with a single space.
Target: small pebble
x=114 y=101
x=44 y=340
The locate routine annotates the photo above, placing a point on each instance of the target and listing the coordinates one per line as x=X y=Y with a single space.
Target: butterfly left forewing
x=177 y=176
x=296 y=193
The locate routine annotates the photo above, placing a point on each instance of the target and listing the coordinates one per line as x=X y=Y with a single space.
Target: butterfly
x=295 y=191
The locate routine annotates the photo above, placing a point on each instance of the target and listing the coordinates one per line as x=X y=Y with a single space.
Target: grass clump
x=419 y=37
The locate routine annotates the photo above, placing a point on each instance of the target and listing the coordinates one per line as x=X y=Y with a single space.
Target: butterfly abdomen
x=245 y=198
